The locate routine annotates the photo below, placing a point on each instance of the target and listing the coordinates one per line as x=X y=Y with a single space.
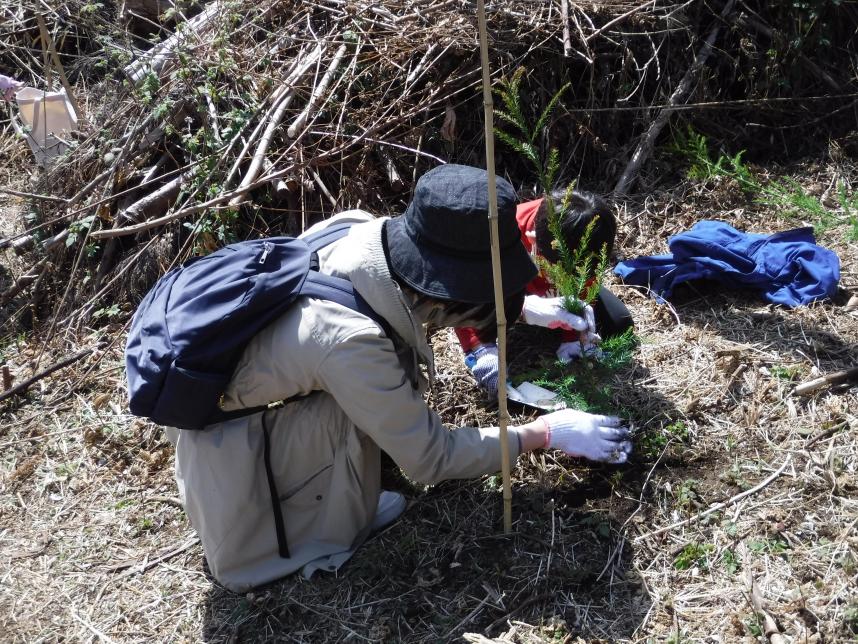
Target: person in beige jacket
x=360 y=390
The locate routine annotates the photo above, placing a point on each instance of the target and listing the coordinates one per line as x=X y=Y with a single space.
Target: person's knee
x=612 y=316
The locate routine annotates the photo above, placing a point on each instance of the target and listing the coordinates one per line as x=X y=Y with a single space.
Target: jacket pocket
x=310 y=492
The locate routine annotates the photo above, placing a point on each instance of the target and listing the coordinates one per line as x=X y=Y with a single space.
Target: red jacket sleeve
x=470 y=338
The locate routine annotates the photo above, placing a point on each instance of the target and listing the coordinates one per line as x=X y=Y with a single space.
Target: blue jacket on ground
x=787 y=267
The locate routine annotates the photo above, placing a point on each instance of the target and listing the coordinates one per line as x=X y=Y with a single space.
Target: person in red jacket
x=607 y=316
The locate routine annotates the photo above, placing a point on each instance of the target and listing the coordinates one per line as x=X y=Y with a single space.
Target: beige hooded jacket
x=324 y=448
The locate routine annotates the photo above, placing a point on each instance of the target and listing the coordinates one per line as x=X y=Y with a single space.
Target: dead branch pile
x=252 y=119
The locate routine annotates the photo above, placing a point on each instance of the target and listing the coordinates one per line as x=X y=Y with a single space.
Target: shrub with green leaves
x=694 y=147
x=694 y=554
x=587 y=385
x=785 y=195
x=525 y=140
x=577 y=275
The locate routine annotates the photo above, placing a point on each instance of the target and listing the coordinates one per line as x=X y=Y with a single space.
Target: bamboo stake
x=503 y=414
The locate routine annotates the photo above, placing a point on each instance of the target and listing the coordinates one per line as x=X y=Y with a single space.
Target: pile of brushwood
x=208 y=123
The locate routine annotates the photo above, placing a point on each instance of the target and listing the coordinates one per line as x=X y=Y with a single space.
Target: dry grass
x=94 y=547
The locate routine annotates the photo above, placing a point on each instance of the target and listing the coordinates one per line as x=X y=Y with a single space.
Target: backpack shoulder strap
x=329 y=235
x=336 y=289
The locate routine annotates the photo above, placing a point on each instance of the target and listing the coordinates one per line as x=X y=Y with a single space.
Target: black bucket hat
x=441 y=246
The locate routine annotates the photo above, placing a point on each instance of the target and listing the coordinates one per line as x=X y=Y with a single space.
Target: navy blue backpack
x=189 y=332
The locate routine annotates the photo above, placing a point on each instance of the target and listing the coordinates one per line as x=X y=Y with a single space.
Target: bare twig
x=157 y=200
x=280 y=103
x=30 y=195
x=48 y=44
x=24 y=281
x=138 y=567
x=826 y=381
x=319 y=91
x=564 y=18
x=23 y=386
x=611 y=23
x=719 y=506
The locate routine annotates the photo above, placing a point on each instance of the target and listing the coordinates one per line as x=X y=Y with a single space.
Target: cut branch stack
x=246 y=120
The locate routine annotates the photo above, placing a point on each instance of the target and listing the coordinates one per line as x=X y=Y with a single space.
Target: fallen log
x=159 y=200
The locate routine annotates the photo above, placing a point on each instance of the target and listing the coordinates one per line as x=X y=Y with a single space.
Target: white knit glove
x=549 y=312
x=586 y=346
x=8 y=87
x=483 y=363
x=598 y=438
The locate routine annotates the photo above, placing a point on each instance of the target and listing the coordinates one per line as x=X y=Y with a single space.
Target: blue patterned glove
x=483 y=364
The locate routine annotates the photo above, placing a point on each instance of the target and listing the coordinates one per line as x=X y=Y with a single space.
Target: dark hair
x=583 y=207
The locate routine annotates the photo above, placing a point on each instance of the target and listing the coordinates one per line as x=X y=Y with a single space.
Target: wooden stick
x=536 y=599
x=285 y=93
x=279 y=186
x=564 y=18
x=323 y=187
x=647 y=141
x=30 y=195
x=160 y=221
x=297 y=125
x=278 y=174
x=24 y=281
x=611 y=23
x=770 y=626
x=503 y=414
x=831 y=379
x=155 y=59
x=137 y=567
x=23 y=386
x=719 y=506
x=158 y=200
x=46 y=61
x=48 y=43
